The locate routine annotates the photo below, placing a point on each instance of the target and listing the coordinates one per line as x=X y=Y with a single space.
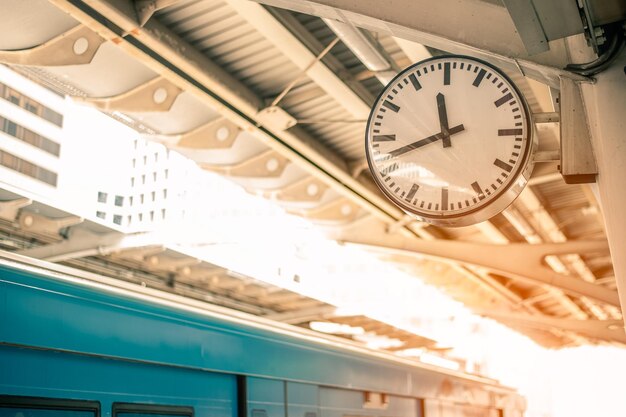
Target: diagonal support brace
x=518 y=261
x=77 y=46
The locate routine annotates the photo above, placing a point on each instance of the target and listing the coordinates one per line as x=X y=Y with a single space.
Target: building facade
x=81 y=160
x=31 y=134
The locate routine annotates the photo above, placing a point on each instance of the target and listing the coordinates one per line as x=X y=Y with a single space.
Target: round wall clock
x=449 y=140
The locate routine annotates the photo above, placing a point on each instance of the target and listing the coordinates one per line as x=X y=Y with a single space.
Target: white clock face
x=449 y=137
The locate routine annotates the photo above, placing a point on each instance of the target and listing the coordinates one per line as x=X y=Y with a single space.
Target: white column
x=605 y=103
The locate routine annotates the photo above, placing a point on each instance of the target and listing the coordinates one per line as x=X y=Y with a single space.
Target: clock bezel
x=496 y=202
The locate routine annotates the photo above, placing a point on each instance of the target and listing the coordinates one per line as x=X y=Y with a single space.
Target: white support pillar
x=605 y=102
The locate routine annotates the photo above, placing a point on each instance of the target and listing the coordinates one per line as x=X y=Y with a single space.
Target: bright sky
x=253 y=236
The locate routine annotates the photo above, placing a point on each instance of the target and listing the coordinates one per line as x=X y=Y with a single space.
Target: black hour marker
x=503 y=99
x=444 y=198
x=384 y=138
x=412 y=192
x=416 y=84
x=391 y=106
x=509 y=132
x=479 y=78
x=389 y=170
x=478 y=190
x=503 y=165
x=446 y=74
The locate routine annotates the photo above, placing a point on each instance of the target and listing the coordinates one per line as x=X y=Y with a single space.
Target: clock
x=450 y=140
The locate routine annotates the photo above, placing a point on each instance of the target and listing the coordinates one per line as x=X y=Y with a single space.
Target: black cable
x=594 y=67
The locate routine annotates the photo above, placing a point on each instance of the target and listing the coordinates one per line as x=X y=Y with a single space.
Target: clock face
x=449 y=140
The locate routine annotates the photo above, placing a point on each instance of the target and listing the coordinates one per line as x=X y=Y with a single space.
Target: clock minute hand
x=425 y=141
x=415 y=145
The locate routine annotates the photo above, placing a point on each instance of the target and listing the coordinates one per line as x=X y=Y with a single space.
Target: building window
x=30 y=105
x=27 y=168
x=152 y=216
x=141 y=197
x=119 y=200
x=163 y=214
x=130 y=200
x=130 y=220
x=102 y=197
x=164 y=193
x=145 y=160
x=153 y=196
x=140 y=217
x=117 y=219
x=134 y=162
x=132 y=181
x=167 y=173
x=143 y=179
x=30 y=137
x=154 y=176
x=9 y=127
x=101 y=214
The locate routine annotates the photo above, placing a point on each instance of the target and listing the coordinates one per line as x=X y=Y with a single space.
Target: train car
x=76 y=344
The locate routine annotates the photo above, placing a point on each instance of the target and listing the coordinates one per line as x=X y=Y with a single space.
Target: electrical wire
x=594 y=67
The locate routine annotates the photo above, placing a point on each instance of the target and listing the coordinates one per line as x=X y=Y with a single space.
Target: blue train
x=75 y=344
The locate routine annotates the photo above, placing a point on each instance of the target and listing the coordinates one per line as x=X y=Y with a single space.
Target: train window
x=17 y=406
x=150 y=410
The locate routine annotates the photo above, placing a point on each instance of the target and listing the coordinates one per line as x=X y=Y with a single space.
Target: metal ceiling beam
x=46 y=226
x=518 y=261
x=81 y=243
x=156 y=95
x=266 y=24
x=75 y=47
x=449 y=26
x=608 y=330
x=11 y=208
x=167 y=54
x=551 y=230
x=565 y=301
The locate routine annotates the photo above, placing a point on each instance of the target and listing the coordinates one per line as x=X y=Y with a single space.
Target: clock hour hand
x=443 y=120
x=425 y=141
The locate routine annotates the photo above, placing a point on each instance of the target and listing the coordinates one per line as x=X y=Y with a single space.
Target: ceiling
x=270 y=99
